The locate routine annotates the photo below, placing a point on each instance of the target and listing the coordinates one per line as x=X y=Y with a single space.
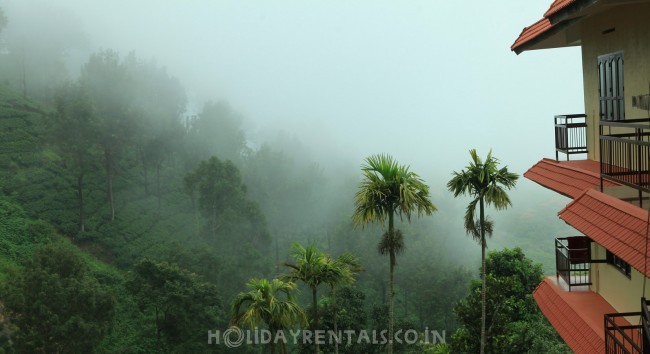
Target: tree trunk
x=391 y=308
x=336 y=318
x=214 y=220
x=316 y=324
x=109 y=180
x=483 y=246
x=158 y=183
x=80 y=194
x=145 y=170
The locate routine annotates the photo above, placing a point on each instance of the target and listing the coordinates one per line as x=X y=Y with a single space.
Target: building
x=596 y=301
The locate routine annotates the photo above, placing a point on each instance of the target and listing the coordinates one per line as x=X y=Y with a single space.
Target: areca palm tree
x=389 y=189
x=313 y=267
x=268 y=302
x=487 y=184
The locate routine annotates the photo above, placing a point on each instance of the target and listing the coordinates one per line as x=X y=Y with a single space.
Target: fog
x=424 y=81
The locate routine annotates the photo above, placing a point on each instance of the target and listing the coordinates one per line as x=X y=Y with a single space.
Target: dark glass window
x=620 y=264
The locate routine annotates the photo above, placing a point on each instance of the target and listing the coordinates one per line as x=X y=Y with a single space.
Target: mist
x=418 y=81
x=306 y=91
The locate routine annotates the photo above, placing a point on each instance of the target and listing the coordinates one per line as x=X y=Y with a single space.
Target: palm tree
x=388 y=189
x=313 y=267
x=486 y=183
x=268 y=302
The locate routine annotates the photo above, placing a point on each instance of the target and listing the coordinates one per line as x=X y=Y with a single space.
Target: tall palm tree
x=388 y=189
x=313 y=267
x=486 y=183
x=268 y=302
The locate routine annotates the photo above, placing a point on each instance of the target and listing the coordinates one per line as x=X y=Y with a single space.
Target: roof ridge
x=557 y=6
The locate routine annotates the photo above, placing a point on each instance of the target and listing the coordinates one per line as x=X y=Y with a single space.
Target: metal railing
x=645 y=323
x=622 y=337
x=570 y=134
x=625 y=153
x=573 y=264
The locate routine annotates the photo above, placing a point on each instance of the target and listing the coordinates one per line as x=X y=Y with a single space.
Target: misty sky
x=422 y=80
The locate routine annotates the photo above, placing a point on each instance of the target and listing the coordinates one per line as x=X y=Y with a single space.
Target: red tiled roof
x=532 y=31
x=556 y=6
x=615 y=224
x=577 y=316
x=569 y=178
x=544 y=25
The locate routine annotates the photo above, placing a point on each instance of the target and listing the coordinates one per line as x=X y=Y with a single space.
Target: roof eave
x=551 y=38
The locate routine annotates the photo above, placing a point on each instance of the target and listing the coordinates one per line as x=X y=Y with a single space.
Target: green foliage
x=221 y=196
x=389 y=188
x=344 y=310
x=125 y=116
x=313 y=267
x=57 y=304
x=179 y=306
x=486 y=183
x=515 y=323
x=270 y=303
x=18 y=236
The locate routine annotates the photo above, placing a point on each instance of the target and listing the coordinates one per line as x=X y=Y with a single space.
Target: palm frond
x=389 y=188
x=482 y=180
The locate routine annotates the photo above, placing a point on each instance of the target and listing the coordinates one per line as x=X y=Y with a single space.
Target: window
x=620 y=264
x=610 y=86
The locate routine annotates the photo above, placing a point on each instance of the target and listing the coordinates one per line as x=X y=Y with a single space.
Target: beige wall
x=623 y=293
x=632 y=36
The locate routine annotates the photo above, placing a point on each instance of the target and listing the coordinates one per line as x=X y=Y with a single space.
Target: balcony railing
x=624 y=334
x=573 y=260
x=625 y=153
x=645 y=323
x=570 y=135
x=628 y=333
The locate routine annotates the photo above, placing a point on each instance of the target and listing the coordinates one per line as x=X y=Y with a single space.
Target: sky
x=424 y=81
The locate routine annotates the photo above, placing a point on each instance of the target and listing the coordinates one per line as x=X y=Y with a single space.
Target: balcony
x=624 y=155
x=628 y=333
x=624 y=148
x=570 y=135
x=572 y=260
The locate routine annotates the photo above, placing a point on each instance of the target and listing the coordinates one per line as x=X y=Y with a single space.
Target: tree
x=345 y=310
x=181 y=305
x=515 y=323
x=159 y=101
x=106 y=81
x=314 y=268
x=57 y=304
x=74 y=132
x=268 y=302
x=486 y=183
x=388 y=189
x=219 y=188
